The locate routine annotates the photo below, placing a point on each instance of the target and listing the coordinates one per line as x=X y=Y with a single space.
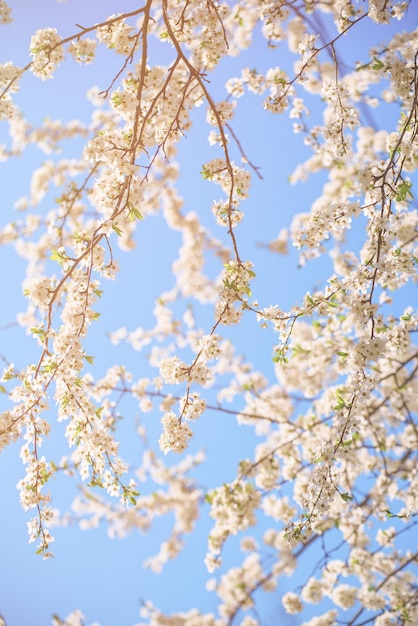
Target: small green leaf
x=50 y=367
x=378 y=64
x=134 y=213
x=340 y=403
x=404 y=191
x=117 y=230
x=57 y=256
x=297 y=349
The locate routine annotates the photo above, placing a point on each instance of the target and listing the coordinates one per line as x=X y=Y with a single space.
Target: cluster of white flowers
x=266 y=470
x=46 y=50
x=367 y=350
x=292 y=602
x=192 y=406
x=327 y=619
x=379 y=11
x=116 y=34
x=235 y=587
x=83 y=50
x=9 y=75
x=209 y=347
x=203 y=32
x=235 y=291
x=176 y=434
x=275 y=81
x=230 y=178
x=39 y=289
x=232 y=506
x=223 y=113
x=173 y=370
x=75 y=618
x=5 y=13
x=154 y=617
x=344 y=596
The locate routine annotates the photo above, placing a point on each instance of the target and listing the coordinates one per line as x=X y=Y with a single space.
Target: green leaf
x=134 y=213
x=116 y=99
x=117 y=230
x=50 y=367
x=297 y=349
x=346 y=497
x=279 y=358
x=404 y=191
x=209 y=498
x=378 y=64
x=89 y=359
x=57 y=256
x=340 y=403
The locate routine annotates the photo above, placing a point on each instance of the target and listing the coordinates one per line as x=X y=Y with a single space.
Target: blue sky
x=104 y=578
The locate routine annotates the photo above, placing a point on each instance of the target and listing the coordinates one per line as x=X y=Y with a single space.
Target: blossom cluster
x=5 y=13
x=47 y=52
x=329 y=421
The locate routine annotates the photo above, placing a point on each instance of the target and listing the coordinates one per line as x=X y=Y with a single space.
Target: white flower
x=344 y=596
x=292 y=603
x=5 y=13
x=83 y=50
x=176 y=435
x=173 y=370
x=46 y=49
